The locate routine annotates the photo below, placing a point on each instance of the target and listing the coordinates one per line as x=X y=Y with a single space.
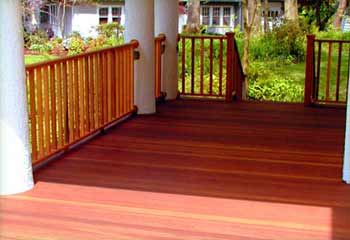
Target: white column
x=15 y=161
x=139 y=25
x=346 y=162
x=167 y=22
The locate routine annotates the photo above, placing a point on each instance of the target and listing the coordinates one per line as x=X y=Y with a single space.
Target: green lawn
x=30 y=59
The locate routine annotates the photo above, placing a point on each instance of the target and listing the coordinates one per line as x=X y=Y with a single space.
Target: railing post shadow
x=309 y=70
x=229 y=65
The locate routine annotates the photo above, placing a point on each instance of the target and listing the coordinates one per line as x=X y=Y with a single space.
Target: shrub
x=36 y=38
x=110 y=30
x=76 y=45
x=268 y=84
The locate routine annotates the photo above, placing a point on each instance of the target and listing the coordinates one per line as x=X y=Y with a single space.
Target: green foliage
x=76 y=45
x=284 y=42
x=109 y=30
x=36 y=38
x=267 y=84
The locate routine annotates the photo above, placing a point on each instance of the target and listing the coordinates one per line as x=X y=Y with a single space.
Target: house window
x=216 y=16
x=227 y=16
x=116 y=14
x=103 y=15
x=205 y=16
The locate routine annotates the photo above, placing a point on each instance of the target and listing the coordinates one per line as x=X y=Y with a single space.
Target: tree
x=250 y=10
x=266 y=20
x=291 y=9
x=340 y=13
x=193 y=16
x=319 y=11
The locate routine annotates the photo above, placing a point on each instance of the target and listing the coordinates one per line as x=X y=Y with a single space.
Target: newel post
x=309 y=70
x=229 y=66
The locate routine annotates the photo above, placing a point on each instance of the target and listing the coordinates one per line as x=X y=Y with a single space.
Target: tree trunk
x=291 y=9
x=193 y=18
x=266 y=20
x=339 y=15
x=62 y=17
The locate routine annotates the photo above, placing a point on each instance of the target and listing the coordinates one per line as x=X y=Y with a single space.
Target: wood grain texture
x=195 y=170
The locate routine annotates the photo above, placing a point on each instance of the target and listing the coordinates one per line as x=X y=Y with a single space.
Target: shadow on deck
x=195 y=170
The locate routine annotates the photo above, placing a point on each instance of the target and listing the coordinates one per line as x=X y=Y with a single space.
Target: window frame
x=110 y=15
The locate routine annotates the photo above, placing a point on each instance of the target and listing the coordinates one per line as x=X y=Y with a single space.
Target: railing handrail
x=161 y=37
x=201 y=36
x=332 y=40
x=133 y=43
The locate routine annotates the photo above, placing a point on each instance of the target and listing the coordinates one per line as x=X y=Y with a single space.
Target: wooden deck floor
x=196 y=170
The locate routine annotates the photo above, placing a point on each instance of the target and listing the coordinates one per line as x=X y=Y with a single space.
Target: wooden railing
x=327 y=71
x=212 y=69
x=73 y=97
x=159 y=50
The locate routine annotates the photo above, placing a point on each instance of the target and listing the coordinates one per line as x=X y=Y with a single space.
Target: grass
x=30 y=59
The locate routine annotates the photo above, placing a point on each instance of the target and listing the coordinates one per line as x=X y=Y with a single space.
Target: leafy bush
x=38 y=37
x=42 y=48
x=267 y=84
x=285 y=42
x=110 y=30
x=76 y=45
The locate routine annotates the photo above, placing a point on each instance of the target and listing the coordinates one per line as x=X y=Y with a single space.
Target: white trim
x=110 y=14
x=221 y=14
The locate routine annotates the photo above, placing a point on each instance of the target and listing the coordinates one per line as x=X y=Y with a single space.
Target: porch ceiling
x=195 y=170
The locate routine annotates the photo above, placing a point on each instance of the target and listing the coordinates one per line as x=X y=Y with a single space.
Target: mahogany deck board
x=195 y=170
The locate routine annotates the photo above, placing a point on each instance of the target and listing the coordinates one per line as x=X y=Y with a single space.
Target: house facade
x=219 y=16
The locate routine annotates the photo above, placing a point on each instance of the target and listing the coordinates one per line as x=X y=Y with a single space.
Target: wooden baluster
x=53 y=114
x=211 y=59
x=201 y=66
x=47 y=141
x=329 y=66
x=193 y=46
x=183 y=66
x=33 y=115
x=318 y=67
x=87 y=89
x=71 y=105
x=309 y=70
x=220 y=66
x=60 y=132
x=65 y=110
x=229 y=66
x=76 y=100
x=338 y=71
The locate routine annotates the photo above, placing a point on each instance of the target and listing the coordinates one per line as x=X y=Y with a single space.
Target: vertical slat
x=318 y=67
x=126 y=80
x=76 y=99
x=97 y=90
x=109 y=86
x=193 y=44
x=338 y=70
x=47 y=140
x=309 y=70
x=127 y=77
x=117 y=83
x=104 y=88
x=183 y=65
x=211 y=59
x=33 y=115
x=65 y=102
x=87 y=89
x=229 y=66
x=329 y=65
x=81 y=96
x=53 y=106
x=220 y=66
x=132 y=76
x=40 y=113
x=91 y=93
x=201 y=65
x=71 y=105
x=60 y=132
x=113 y=93
x=122 y=72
